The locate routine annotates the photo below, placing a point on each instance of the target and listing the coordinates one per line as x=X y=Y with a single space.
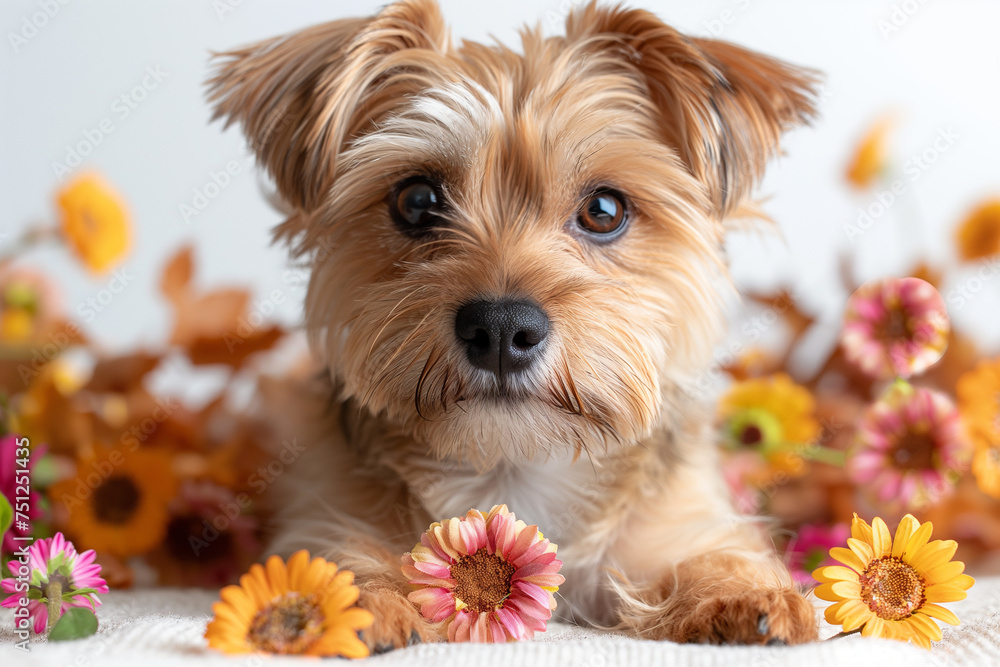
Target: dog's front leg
x=398 y=622
x=727 y=597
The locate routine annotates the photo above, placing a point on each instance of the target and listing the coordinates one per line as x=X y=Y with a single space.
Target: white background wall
x=940 y=69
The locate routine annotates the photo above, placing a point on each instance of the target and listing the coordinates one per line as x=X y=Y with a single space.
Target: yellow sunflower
x=302 y=608
x=870 y=156
x=978 y=393
x=978 y=236
x=891 y=587
x=94 y=222
x=772 y=416
x=118 y=500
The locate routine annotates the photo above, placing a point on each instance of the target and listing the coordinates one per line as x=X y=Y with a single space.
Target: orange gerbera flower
x=302 y=608
x=94 y=222
x=978 y=236
x=118 y=500
x=979 y=403
x=870 y=156
x=892 y=586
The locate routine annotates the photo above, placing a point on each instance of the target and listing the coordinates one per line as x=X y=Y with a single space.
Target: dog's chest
x=552 y=494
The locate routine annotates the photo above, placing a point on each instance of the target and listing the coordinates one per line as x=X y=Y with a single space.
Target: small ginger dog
x=516 y=279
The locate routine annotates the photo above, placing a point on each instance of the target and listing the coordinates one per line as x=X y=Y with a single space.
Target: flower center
x=289 y=625
x=116 y=500
x=914 y=450
x=754 y=428
x=482 y=580
x=752 y=435
x=895 y=326
x=891 y=588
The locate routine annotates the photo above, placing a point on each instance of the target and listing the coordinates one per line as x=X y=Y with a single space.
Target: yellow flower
x=771 y=415
x=118 y=500
x=870 y=157
x=891 y=587
x=27 y=302
x=978 y=393
x=304 y=608
x=94 y=222
x=978 y=236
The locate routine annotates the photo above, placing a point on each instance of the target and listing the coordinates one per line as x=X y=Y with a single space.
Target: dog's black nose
x=502 y=337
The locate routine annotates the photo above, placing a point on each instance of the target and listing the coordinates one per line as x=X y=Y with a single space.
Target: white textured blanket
x=148 y=628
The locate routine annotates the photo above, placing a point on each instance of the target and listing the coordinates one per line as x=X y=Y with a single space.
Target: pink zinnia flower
x=8 y=475
x=55 y=560
x=491 y=578
x=810 y=549
x=909 y=447
x=895 y=328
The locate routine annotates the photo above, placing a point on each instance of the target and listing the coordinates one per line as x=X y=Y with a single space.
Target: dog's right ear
x=302 y=97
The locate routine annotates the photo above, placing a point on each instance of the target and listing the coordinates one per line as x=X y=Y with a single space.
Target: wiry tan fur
x=602 y=443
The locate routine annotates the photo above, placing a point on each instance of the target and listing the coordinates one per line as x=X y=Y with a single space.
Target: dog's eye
x=603 y=212
x=416 y=204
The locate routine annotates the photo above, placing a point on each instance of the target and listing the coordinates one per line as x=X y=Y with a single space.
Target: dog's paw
x=398 y=622
x=766 y=616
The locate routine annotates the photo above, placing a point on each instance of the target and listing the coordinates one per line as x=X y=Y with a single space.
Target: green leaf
x=76 y=623
x=56 y=562
x=6 y=515
x=73 y=592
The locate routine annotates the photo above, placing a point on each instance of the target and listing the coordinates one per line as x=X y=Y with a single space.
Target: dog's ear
x=722 y=107
x=301 y=97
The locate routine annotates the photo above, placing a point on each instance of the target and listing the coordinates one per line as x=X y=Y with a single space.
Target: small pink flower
x=810 y=549
x=895 y=328
x=909 y=447
x=55 y=559
x=9 y=470
x=489 y=578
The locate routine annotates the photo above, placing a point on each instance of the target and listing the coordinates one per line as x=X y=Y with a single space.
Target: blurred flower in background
x=117 y=501
x=870 y=159
x=895 y=328
x=909 y=448
x=94 y=222
x=810 y=549
x=769 y=418
x=978 y=236
x=979 y=403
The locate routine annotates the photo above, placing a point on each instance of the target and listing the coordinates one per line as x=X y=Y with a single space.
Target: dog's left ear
x=722 y=107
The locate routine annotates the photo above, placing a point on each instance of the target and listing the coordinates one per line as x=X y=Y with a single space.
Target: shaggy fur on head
x=601 y=442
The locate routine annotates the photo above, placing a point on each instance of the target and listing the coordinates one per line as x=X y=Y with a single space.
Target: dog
x=516 y=278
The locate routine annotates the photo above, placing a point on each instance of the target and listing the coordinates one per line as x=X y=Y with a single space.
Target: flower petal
x=944 y=574
x=833 y=573
x=917 y=541
x=863 y=550
x=881 y=539
x=934 y=554
x=940 y=613
x=848 y=558
x=942 y=593
x=908 y=525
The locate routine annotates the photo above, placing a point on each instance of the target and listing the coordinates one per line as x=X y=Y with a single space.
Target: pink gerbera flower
x=810 y=549
x=490 y=578
x=55 y=561
x=909 y=447
x=895 y=328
